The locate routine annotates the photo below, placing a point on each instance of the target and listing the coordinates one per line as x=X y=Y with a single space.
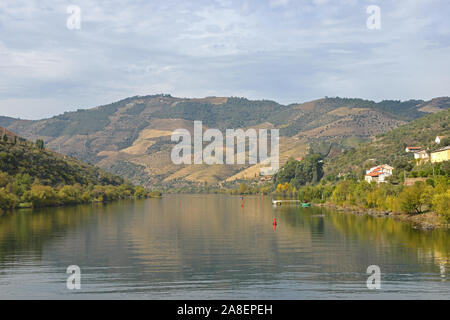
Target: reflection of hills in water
x=432 y=247
x=30 y=229
x=184 y=237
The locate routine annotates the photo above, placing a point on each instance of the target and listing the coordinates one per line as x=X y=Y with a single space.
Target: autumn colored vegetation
x=31 y=176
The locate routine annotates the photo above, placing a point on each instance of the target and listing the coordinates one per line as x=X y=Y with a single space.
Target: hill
x=390 y=147
x=415 y=191
x=31 y=175
x=131 y=137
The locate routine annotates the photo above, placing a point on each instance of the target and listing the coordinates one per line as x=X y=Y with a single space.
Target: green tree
x=300 y=173
x=343 y=191
x=441 y=204
x=243 y=188
x=140 y=192
x=69 y=195
x=155 y=194
x=413 y=199
x=41 y=196
x=7 y=200
x=40 y=144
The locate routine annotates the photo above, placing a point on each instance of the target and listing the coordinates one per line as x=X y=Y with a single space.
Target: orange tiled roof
x=373 y=174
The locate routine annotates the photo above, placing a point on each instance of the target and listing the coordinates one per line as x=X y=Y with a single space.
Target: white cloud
x=320 y=2
x=279 y=3
x=284 y=50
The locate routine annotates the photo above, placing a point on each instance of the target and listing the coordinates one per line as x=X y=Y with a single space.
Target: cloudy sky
x=283 y=50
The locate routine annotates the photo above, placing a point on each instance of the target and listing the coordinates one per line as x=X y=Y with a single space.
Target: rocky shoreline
x=425 y=221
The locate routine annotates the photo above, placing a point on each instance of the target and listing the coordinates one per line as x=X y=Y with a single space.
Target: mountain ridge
x=131 y=137
x=390 y=147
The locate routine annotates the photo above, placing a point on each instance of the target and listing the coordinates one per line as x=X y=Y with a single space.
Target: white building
x=413 y=149
x=421 y=155
x=379 y=174
x=439 y=139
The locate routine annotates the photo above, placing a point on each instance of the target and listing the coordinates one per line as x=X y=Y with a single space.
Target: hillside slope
x=390 y=147
x=32 y=176
x=19 y=156
x=131 y=137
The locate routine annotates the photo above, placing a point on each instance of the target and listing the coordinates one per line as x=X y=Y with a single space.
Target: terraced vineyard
x=131 y=137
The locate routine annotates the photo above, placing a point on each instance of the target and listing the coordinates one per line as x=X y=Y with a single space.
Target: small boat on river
x=306 y=204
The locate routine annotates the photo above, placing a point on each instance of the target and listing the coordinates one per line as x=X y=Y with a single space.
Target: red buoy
x=274 y=221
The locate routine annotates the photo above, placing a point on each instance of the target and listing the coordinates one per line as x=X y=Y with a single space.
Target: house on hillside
x=422 y=156
x=413 y=149
x=440 y=155
x=379 y=174
x=439 y=139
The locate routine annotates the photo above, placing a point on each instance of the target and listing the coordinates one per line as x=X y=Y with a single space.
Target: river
x=217 y=247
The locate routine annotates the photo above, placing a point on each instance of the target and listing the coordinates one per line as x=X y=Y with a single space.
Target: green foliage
x=7 y=200
x=41 y=196
x=130 y=170
x=445 y=141
x=140 y=192
x=81 y=121
x=316 y=194
x=422 y=197
x=413 y=199
x=300 y=173
x=243 y=188
x=407 y=110
x=343 y=192
x=235 y=113
x=70 y=194
x=40 y=144
x=441 y=204
x=321 y=147
x=136 y=109
x=50 y=168
x=390 y=147
x=155 y=194
x=33 y=176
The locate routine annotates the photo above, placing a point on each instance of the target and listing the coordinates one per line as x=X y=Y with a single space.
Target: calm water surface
x=209 y=247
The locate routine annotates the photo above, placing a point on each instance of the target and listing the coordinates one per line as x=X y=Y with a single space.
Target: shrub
x=7 y=200
x=140 y=192
x=441 y=204
x=155 y=194
x=414 y=199
x=69 y=195
x=41 y=196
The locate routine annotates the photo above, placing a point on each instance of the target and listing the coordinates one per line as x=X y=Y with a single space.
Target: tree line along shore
x=32 y=176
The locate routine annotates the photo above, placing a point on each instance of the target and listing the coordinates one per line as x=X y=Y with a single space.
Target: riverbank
x=29 y=205
x=425 y=221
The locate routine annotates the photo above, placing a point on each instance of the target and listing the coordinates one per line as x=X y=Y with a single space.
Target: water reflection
x=205 y=246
